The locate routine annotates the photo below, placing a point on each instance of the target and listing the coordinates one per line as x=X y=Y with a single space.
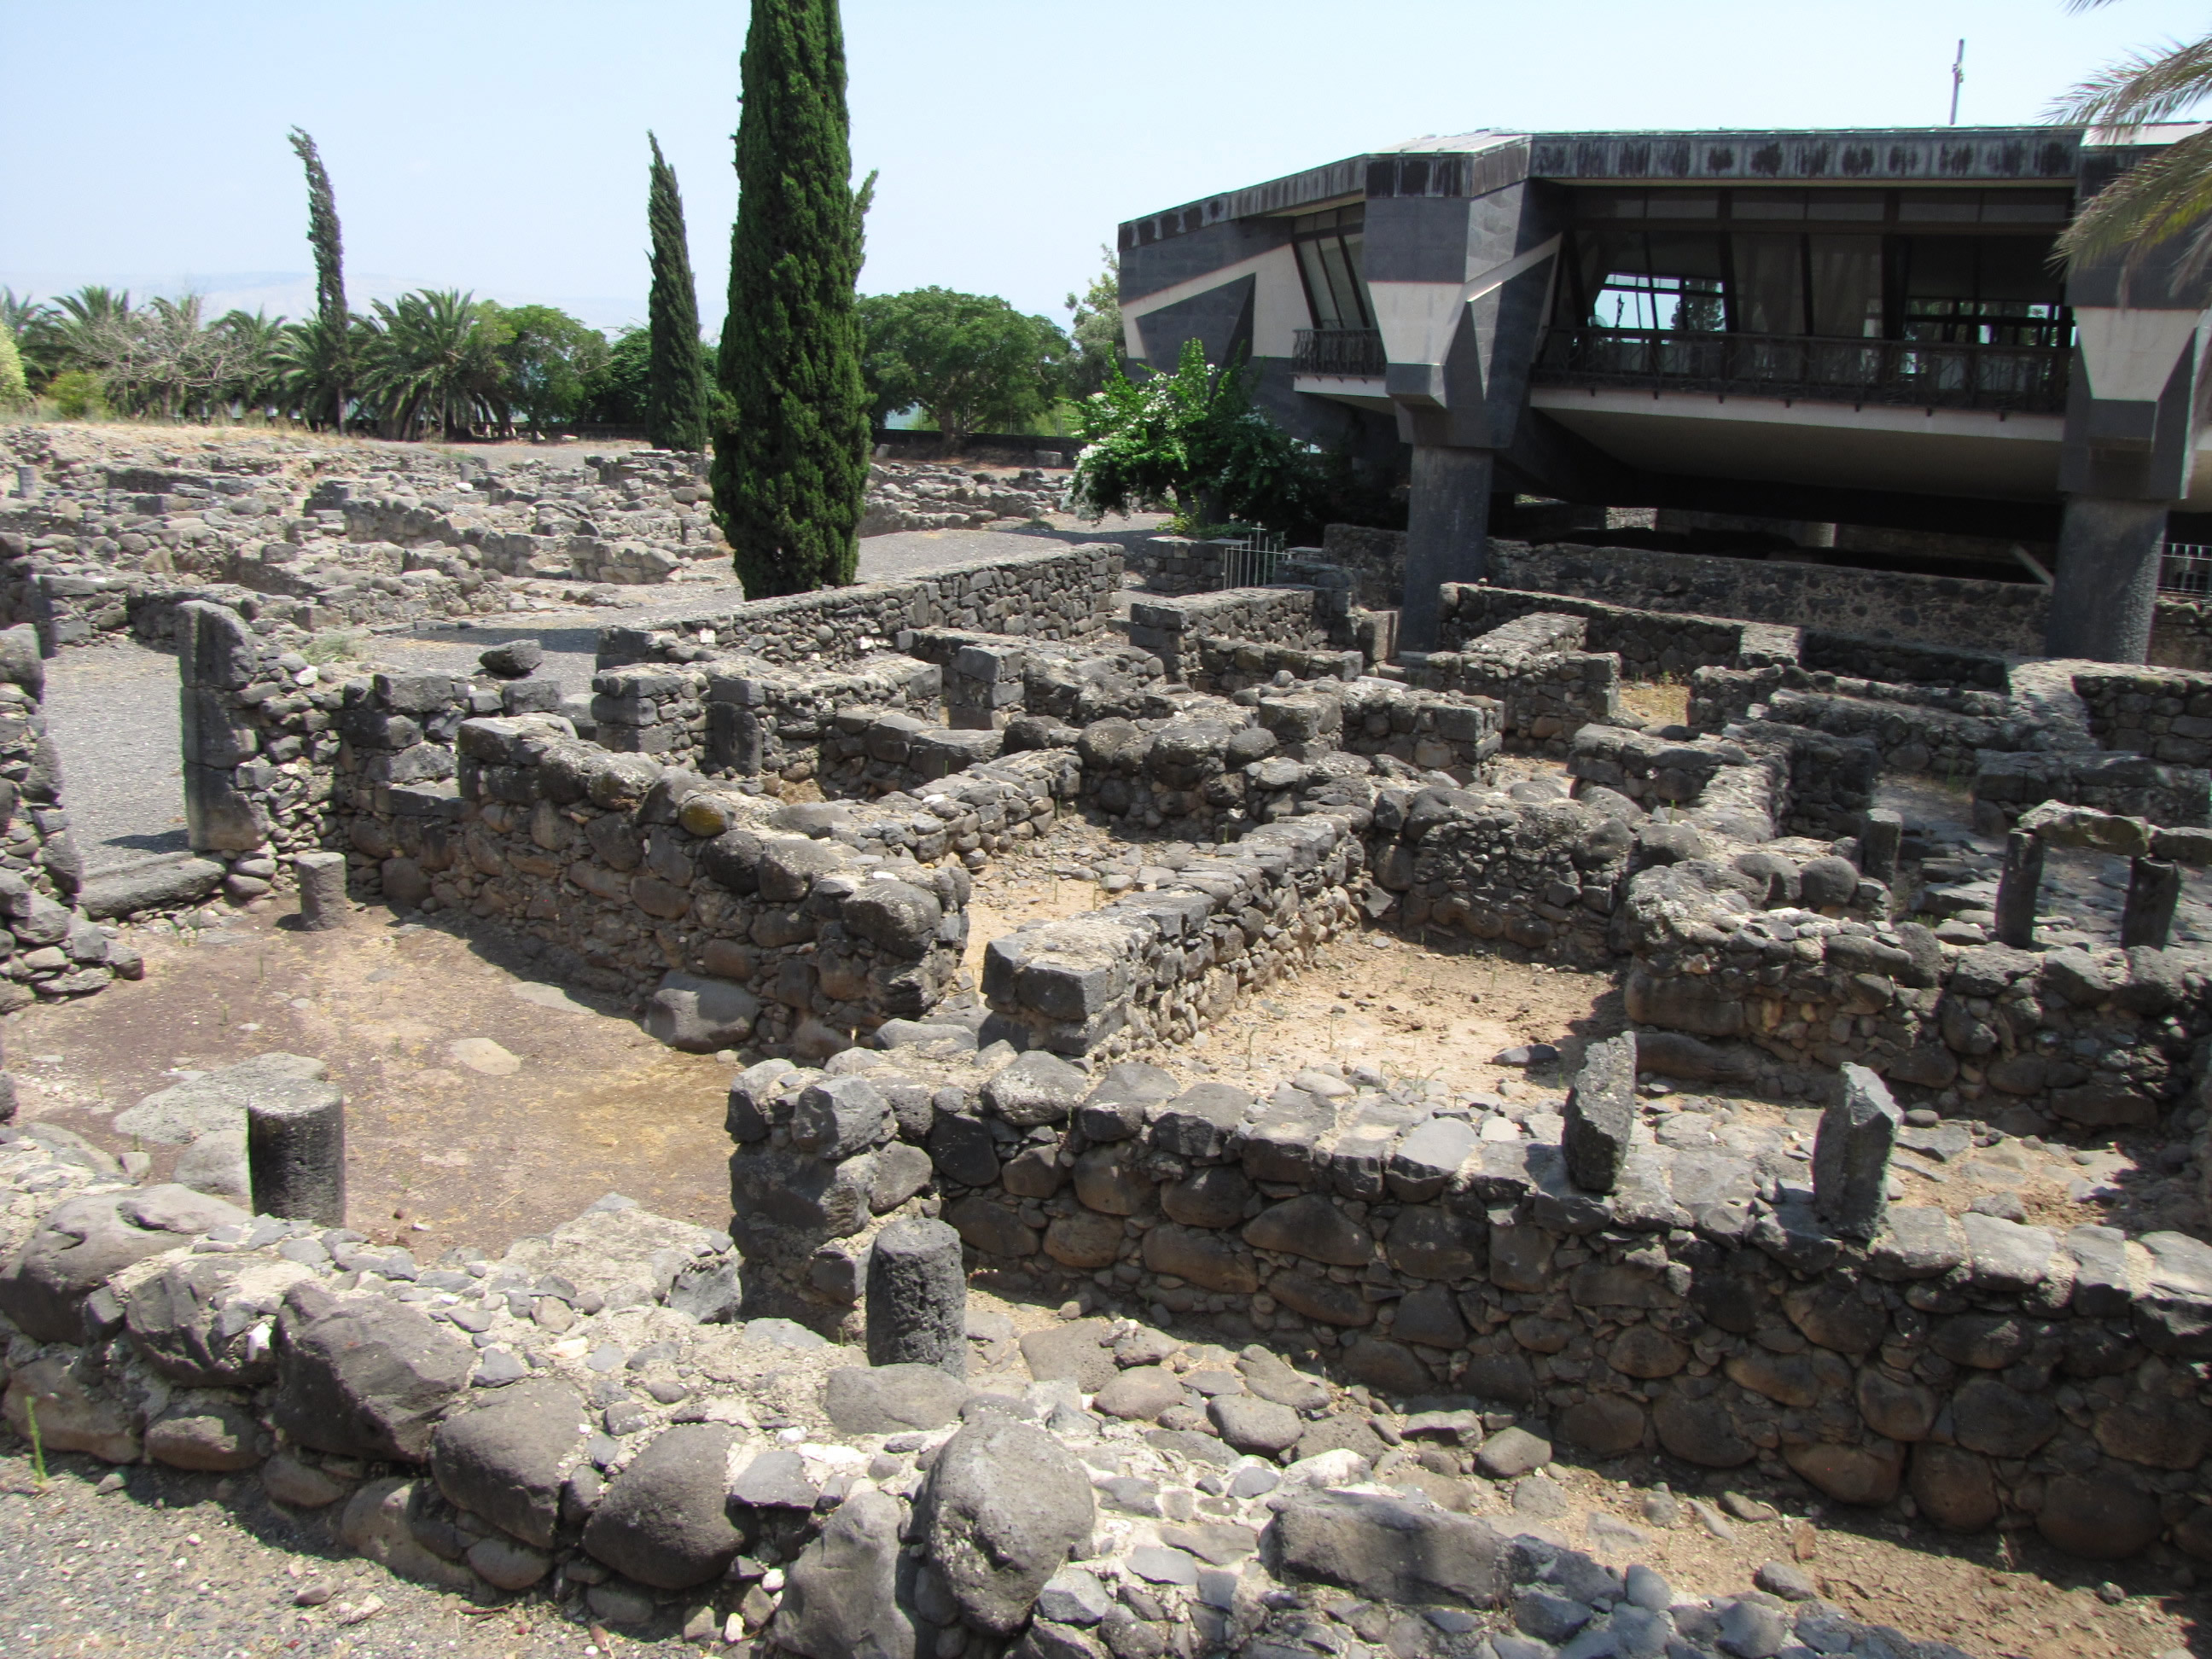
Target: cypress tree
x=330 y=267
x=790 y=469
x=676 y=384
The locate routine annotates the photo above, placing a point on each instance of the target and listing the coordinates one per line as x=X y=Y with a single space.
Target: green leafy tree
x=614 y=393
x=548 y=358
x=677 y=406
x=1095 y=323
x=75 y=394
x=973 y=362
x=32 y=325
x=331 y=390
x=791 y=462
x=1191 y=438
x=315 y=359
x=433 y=357
x=14 y=390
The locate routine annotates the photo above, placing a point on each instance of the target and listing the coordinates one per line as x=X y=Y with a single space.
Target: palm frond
x=2166 y=195
x=2145 y=87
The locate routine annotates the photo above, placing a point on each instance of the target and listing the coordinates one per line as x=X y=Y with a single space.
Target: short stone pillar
x=917 y=1308
x=1851 y=1155
x=295 y=1155
x=322 y=877
x=2153 y=890
x=1600 y=1115
x=1880 y=838
x=2018 y=883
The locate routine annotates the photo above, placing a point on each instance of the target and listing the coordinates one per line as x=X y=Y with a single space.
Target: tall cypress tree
x=330 y=270
x=676 y=382
x=790 y=469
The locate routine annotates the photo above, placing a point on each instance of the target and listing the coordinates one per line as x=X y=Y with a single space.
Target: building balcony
x=1347 y=353
x=1911 y=374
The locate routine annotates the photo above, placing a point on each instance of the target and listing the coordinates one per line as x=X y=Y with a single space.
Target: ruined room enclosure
x=1494 y=1054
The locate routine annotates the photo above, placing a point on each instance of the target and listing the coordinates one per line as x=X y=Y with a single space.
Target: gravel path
x=112 y=708
x=164 y=1566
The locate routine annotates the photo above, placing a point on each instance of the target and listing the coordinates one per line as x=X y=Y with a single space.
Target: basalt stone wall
x=1170 y=629
x=989 y=679
x=1999 y=1373
x=1377 y=559
x=1940 y=610
x=1547 y=692
x=1909 y=736
x=1651 y=644
x=49 y=948
x=1543 y=874
x=1226 y=664
x=1800 y=960
x=2131 y=786
x=628 y=872
x=1901 y=662
x=1065 y=594
x=2167 y=716
x=262 y=736
x=1154 y=968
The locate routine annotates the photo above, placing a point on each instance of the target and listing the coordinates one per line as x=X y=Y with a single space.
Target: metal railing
x=1910 y=372
x=2186 y=568
x=1249 y=560
x=1352 y=353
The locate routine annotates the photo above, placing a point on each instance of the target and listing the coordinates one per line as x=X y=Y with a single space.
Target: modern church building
x=1857 y=328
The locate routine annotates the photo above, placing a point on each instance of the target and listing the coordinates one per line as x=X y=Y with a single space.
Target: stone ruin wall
x=1754 y=956
x=1696 y=1302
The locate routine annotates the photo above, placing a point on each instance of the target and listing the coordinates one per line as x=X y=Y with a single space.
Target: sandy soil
x=441 y=1152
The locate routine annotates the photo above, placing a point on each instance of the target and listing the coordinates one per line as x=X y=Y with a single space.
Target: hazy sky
x=500 y=146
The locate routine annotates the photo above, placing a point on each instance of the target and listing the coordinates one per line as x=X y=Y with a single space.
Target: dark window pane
x=1846 y=285
x=1769 y=285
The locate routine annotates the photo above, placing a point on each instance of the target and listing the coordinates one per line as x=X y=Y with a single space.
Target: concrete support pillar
x=918 y=1297
x=2105 y=590
x=1446 y=534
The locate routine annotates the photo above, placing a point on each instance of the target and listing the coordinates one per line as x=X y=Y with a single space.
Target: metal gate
x=2186 y=568
x=1249 y=561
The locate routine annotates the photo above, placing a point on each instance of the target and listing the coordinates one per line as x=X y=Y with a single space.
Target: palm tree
x=2167 y=195
x=252 y=375
x=316 y=364
x=434 y=357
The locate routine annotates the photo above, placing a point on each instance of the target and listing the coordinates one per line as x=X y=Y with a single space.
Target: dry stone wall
x=1061 y=593
x=1693 y=1298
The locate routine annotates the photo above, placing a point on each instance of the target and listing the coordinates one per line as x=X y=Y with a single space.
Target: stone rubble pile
x=922 y=495
x=338 y=535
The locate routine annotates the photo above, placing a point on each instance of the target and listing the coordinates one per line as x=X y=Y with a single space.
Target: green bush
x=75 y=395
x=14 y=391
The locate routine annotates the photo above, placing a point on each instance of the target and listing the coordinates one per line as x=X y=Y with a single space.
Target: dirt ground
x=1992 y=1594
x=577 y=1101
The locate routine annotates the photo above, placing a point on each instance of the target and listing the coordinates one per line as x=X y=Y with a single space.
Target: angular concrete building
x=1855 y=328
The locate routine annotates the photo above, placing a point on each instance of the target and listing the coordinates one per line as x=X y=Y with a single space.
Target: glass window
x=1639 y=280
x=1939 y=206
x=1845 y=285
x=1768 y=204
x=1769 y=284
x=1329 y=246
x=1683 y=204
x=1847 y=206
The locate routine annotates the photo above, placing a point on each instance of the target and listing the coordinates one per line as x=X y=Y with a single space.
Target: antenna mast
x=1958 y=80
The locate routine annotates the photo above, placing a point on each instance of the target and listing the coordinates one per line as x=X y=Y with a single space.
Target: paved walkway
x=112 y=708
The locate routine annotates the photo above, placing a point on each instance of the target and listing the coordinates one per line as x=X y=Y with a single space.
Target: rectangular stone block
x=1851 y=1155
x=1600 y=1115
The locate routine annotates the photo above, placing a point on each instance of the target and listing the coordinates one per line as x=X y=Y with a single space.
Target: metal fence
x=1923 y=373
x=1249 y=560
x=1352 y=353
x=2186 y=568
